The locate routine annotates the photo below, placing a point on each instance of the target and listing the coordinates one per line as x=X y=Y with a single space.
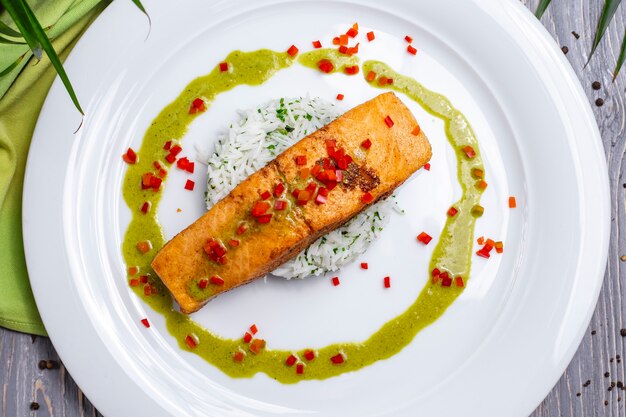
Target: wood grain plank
x=57 y=394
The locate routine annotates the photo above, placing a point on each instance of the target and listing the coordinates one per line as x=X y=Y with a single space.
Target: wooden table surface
x=583 y=390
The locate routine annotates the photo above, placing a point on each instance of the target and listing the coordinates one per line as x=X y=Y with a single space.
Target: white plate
x=500 y=347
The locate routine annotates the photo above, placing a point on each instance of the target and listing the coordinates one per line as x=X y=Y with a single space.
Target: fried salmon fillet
x=313 y=187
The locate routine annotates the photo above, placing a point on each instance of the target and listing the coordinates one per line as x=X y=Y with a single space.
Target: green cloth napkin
x=22 y=93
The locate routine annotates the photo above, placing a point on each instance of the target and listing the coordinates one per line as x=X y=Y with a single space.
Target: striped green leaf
x=37 y=39
x=11 y=67
x=6 y=30
x=608 y=11
x=10 y=42
x=541 y=8
x=620 y=58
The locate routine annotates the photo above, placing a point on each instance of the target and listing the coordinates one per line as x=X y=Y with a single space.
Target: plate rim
x=553 y=50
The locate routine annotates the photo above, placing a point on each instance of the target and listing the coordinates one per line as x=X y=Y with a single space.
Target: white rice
x=258 y=137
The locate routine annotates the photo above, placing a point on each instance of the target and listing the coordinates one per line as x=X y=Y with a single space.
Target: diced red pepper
x=260 y=208
x=366 y=144
x=309 y=355
x=458 y=281
x=134 y=282
x=343 y=39
x=335 y=281
x=167 y=145
x=388 y=121
x=446 y=281
x=133 y=270
x=144 y=246
x=371 y=76
x=323 y=191
x=316 y=170
x=416 y=130
x=352 y=32
x=300 y=368
x=247 y=338
x=170 y=158
x=408 y=39
x=389 y=80
x=424 y=237
x=264 y=219
x=147 y=290
x=256 y=345
x=301 y=160
x=182 y=163
x=367 y=198
x=192 y=341
x=145 y=322
x=452 y=211
x=317 y=44
x=303 y=197
x=279 y=189
x=491 y=243
x=146 y=180
x=481 y=185
x=145 y=207
x=241 y=229
x=483 y=254
x=411 y=50
x=435 y=272
x=343 y=49
x=512 y=202
x=382 y=80
x=217 y=280
x=371 y=36
x=223 y=66
x=143 y=279
x=337 y=359
x=499 y=247
x=364 y=265
x=233 y=243
x=202 y=283
x=291 y=360
x=354 y=69
x=478 y=173
x=280 y=205
x=197 y=105
x=130 y=157
x=189 y=185
x=387 y=282
x=339 y=96
x=325 y=66
x=265 y=195
x=292 y=51
x=239 y=356
x=253 y=329
x=336 y=40
x=480 y=240
x=469 y=152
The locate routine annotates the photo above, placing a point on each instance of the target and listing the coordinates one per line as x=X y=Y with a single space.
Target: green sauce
x=453 y=252
x=340 y=61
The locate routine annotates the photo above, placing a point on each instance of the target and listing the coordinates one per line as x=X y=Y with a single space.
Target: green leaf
x=6 y=30
x=11 y=67
x=30 y=27
x=21 y=21
x=620 y=58
x=140 y=7
x=10 y=42
x=541 y=8
x=605 y=19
